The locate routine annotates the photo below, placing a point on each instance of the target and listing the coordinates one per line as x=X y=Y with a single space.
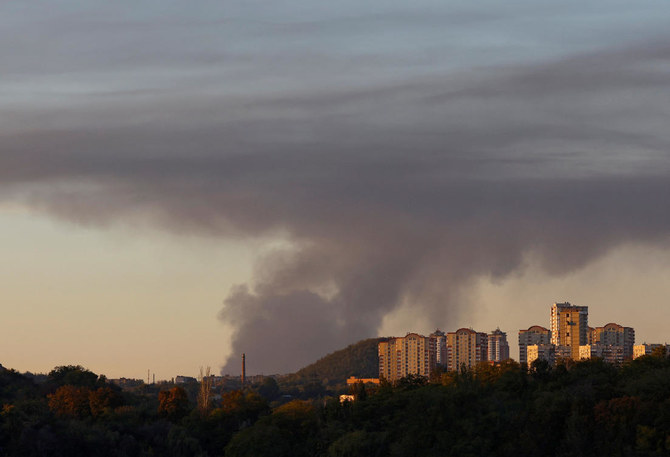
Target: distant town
x=569 y=337
x=572 y=394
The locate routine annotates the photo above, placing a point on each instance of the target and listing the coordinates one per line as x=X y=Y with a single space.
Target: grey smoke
x=396 y=192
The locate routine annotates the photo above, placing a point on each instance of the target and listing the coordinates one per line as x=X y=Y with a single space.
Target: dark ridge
x=359 y=359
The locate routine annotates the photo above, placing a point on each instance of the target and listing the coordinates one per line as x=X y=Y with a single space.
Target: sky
x=181 y=183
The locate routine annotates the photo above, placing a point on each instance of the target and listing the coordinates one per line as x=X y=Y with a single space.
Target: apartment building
x=615 y=335
x=466 y=347
x=411 y=354
x=533 y=335
x=569 y=327
x=498 y=348
x=440 y=347
x=610 y=353
x=543 y=351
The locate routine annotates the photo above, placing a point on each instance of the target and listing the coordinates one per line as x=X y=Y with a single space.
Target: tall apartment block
x=534 y=335
x=412 y=354
x=615 y=335
x=498 y=348
x=569 y=326
x=466 y=347
x=440 y=347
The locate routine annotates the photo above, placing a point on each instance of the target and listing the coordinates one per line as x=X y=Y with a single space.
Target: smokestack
x=244 y=369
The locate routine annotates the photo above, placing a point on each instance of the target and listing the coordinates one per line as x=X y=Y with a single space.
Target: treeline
x=586 y=408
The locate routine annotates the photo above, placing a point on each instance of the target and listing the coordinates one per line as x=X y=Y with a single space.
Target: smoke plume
x=396 y=195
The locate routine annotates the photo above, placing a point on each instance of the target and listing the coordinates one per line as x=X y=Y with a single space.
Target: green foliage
x=269 y=389
x=73 y=375
x=244 y=406
x=585 y=408
x=14 y=386
x=358 y=360
x=290 y=431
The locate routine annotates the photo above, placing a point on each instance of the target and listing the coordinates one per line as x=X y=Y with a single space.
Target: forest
x=586 y=408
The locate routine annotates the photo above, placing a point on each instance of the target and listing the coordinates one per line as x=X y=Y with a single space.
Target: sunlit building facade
x=466 y=347
x=412 y=354
x=533 y=335
x=615 y=335
x=646 y=349
x=569 y=327
x=541 y=351
x=610 y=353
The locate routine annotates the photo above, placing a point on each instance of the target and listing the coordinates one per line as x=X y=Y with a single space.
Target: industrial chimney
x=244 y=369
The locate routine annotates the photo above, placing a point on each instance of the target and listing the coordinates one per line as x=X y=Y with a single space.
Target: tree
x=358 y=391
x=74 y=375
x=70 y=401
x=103 y=399
x=205 y=392
x=244 y=406
x=659 y=351
x=173 y=403
x=411 y=381
x=269 y=388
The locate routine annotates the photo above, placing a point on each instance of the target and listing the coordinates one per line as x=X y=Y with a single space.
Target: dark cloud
x=396 y=194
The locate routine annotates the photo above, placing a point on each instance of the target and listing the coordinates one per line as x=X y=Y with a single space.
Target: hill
x=359 y=359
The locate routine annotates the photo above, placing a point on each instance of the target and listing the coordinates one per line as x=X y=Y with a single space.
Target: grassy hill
x=358 y=359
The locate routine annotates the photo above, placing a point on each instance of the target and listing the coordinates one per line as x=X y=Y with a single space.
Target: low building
x=610 y=353
x=589 y=351
x=566 y=352
x=126 y=383
x=646 y=349
x=541 y=351
x=354 y=380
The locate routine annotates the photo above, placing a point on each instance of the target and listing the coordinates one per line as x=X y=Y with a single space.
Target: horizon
x=183 y=183
x=513 y=343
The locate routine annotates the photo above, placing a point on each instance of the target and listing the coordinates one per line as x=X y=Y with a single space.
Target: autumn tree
x=103 y=399
x=173 y=403
x=70 y=401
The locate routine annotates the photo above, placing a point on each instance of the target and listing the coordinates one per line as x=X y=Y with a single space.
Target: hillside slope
x=359 y=359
